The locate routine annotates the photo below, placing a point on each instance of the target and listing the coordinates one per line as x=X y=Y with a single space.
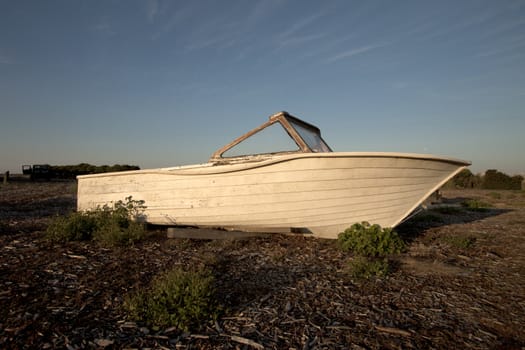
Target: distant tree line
x=71 y=171
x=491 y=180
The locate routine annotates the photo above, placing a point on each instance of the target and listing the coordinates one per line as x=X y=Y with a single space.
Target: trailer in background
x=38 y=171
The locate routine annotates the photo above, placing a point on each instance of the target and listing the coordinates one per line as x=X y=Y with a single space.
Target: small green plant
x=370 y=240
x=116 y=232
x=120 y=224
x=179 y=298
x=371 y=245
x=362 y=267
x=476 y=205
x=76 y=226
x=131 y=208
x=495 y=195
x=117 y=225
x=461 y=242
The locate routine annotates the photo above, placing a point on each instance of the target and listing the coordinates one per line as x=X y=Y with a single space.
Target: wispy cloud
x=5 y=57
x=501 y=50
x=152 y=9
x=462 y=24
x=478 y=19
x=299 y=25
x=221 y=42
x=353 y=52
x=507 y=26
x=5 y=60
x=295 y=35
x=261 y=10
x=220 y=33
x=103 y=27
x=507 y=43
x=220 y=28
x=194 y=31
x=178 y=17
x=298 y=40
x=399 y=85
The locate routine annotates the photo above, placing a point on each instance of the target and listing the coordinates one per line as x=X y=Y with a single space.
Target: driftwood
x=246 y=342
x=395 y=331
x=210 y=233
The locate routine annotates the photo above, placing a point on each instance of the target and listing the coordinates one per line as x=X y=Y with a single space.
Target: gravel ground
x=279 y=292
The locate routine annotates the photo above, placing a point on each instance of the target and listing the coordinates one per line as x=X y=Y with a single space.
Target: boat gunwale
x=251 y=163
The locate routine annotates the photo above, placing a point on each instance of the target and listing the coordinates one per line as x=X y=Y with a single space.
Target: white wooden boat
x=305 y=189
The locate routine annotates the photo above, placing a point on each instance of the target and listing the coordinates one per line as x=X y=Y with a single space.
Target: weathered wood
x=6 y=177
x=395 y=331
x=210 y=233
x=247 y=341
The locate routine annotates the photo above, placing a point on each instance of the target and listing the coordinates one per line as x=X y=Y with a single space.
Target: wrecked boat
x=299 y=186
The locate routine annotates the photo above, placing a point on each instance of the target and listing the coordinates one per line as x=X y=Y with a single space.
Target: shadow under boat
x=449 y=212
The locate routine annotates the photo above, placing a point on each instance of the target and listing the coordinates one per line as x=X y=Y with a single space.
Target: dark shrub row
x=71 y=171
x=491 y=180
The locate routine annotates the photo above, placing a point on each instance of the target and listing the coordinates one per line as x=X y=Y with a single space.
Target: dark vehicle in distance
x=38 y=171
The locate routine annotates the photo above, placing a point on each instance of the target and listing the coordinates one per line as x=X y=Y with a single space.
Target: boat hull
x=316 y=193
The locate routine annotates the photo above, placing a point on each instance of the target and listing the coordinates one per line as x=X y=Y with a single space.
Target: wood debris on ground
x=278 y=292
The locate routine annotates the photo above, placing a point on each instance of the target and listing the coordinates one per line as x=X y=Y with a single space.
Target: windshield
x=311 y=137
x=272 y=139
x=281 y=134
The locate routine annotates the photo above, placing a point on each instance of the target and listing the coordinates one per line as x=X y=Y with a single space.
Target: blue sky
x=161 y=83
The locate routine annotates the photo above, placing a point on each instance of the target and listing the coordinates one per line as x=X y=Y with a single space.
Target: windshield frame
x=301 y=132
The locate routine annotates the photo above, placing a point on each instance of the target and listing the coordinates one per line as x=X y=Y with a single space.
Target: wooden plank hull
x=316 y=193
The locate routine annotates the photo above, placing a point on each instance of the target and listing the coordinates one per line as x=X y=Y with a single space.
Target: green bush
x=120 y=224
x=181 y=299
x=476 y=205
x=371 y=244
x=464 y=179
x=496 y=180
x=117 y=225
x=116 y=232
x=77 y=226
x=370 y=240
x=362 y=267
